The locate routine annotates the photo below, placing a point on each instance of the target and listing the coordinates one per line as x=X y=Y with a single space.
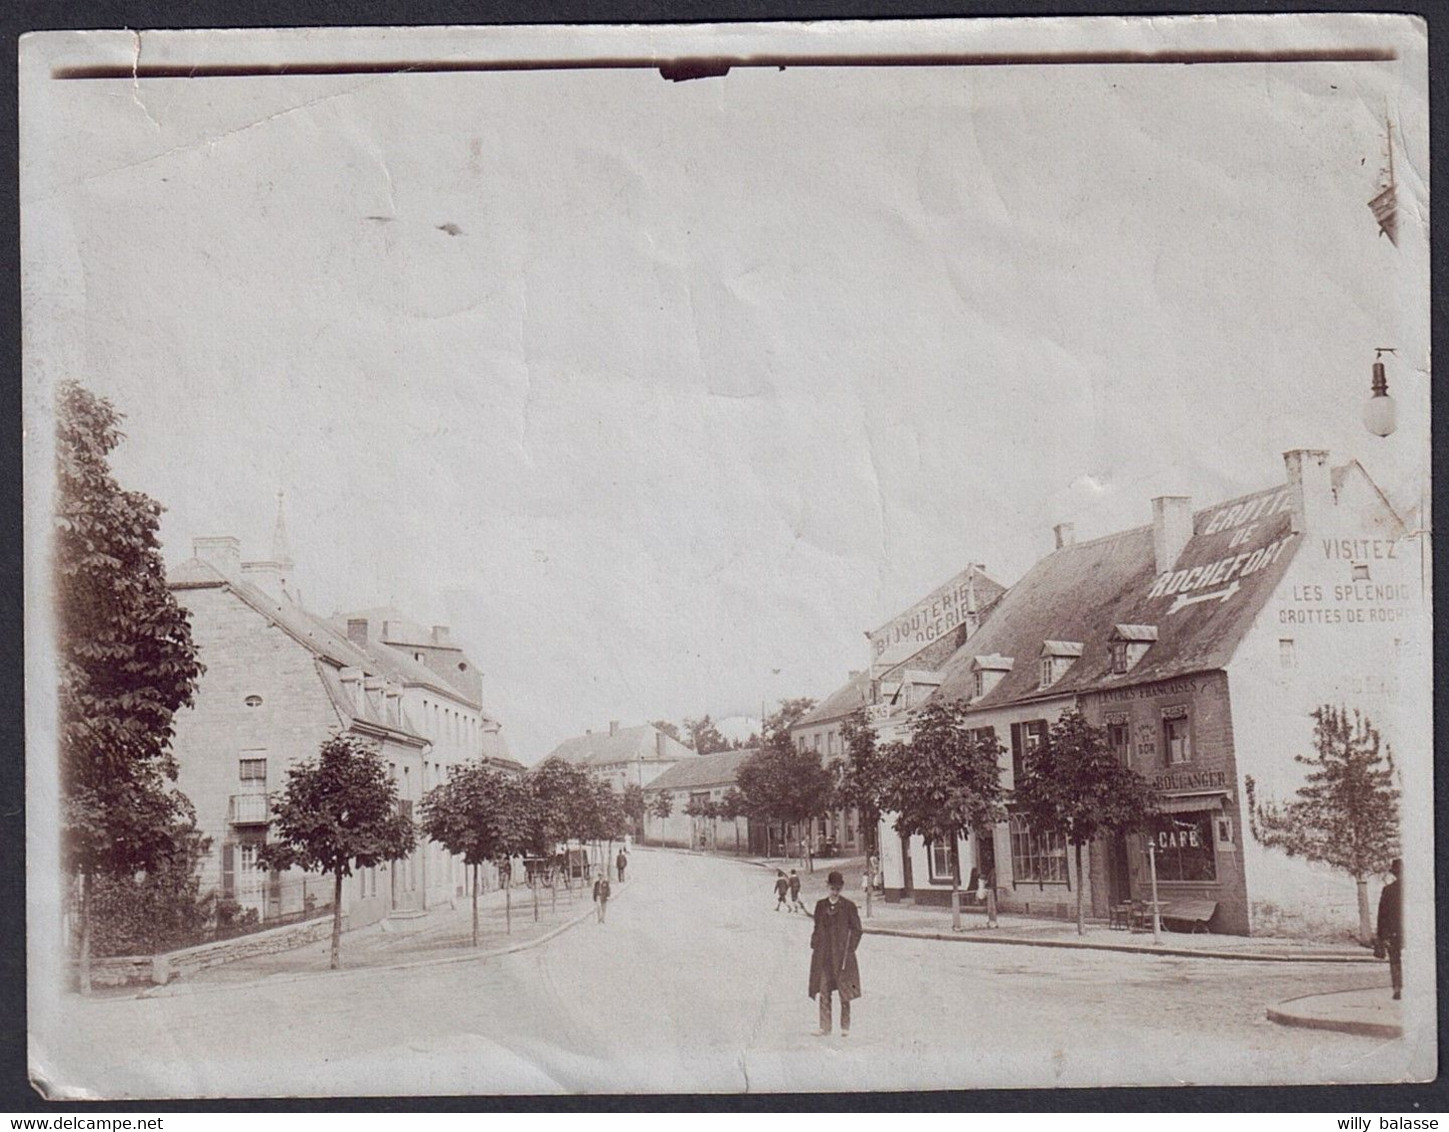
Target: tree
x=705 y=737
x=945 y=781
x=634 y=805
x=338 y=812
x=663 y=806
x=668 y=728
x=731 y=808
x=1073 y=785
x=860 y=777
x=781 y=783
x=564 y=805
x=1346 y=814
x=127 y=663
x=159 y=910
x=470 y=815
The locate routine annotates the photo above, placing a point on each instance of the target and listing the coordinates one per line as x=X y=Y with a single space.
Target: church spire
x=281 y=545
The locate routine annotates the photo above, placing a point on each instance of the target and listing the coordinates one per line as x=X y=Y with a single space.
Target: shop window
x=939 y=854
x=1184 y=844
x=1176 y=736
x=1036 y=857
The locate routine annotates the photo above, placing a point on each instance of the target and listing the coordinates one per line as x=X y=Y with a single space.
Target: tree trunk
x=1081 y=921
x=508 y=910
x=475 y=905
x=334 y=963
x=85 y=932
x=1365 y=919
x=534 y=886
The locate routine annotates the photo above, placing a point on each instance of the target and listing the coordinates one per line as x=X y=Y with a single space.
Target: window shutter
x=228 y=869
x=1017 y=753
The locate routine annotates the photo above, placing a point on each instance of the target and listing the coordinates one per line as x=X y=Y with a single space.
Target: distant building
x=622 y=756
x=280 y=680
x=905 y=653
x=703 y=778
x=1202 y=643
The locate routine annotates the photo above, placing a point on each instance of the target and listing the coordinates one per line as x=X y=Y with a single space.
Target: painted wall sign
x=1148 y=691
x=1216 y=580
x=938 y=613
x=1191 y=780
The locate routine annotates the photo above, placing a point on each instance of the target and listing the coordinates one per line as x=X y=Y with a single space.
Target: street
x=696 y=985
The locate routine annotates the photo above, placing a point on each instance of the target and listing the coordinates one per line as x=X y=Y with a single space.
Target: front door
x=986 y=857
x=1119 y=884
x=906 y=875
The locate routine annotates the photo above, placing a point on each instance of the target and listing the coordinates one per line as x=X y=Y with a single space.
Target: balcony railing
x=249 y=809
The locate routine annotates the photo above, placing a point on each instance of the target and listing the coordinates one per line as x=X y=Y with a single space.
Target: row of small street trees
x=945 y=781
x=339 y=812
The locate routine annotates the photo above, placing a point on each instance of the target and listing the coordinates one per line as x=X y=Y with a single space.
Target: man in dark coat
x=621 y=862
x=1391 y=926
x=832 y=960
x=601 y=894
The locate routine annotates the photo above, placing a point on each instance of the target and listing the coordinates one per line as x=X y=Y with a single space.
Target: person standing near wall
x=1389 y=937
x=833 y=968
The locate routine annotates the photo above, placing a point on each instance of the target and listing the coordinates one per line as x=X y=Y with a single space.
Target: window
x=1039 y=858
x=1225 y=831
x=830 y=743
x=1176 y=740
x=939 y=853
x=1184 y=844
x=253 y=701
x=1360 y=572
x=1119 y=738
x=1287 y=653
x=1048 y=672
x=1025 y=738
x=1118 y=650
x=979 y=688
x=253 y=770
x=817 y=740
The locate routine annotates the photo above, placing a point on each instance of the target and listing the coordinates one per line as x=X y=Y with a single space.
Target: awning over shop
x=1191 y=803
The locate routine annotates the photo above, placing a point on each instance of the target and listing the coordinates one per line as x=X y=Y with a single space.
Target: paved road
x=696 y=985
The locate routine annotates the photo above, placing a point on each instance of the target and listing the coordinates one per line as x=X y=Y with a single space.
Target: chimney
x=1311 y=482
x=660 y=740
x=1065 y=534
x=1171 y=528
x=357 y=631
x=613 y=723
x=220 y=551
x=440 y=635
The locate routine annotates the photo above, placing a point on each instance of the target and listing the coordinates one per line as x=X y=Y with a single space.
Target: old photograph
x=740 y=558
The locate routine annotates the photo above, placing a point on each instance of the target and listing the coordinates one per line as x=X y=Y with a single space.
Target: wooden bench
x=1194 y=914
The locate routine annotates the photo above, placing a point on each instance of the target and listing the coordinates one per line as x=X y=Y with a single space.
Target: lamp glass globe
x=1379 y=415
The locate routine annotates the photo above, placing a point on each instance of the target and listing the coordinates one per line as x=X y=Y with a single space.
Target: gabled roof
x=701 y=771
x=840 y=703
x=626 y=745
x=314 y=633
x=1084 y=591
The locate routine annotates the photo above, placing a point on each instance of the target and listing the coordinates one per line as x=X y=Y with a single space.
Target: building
x=690 y=782
x=622 y=756
x=1202 y=643
x=906 y=654
x=278 y=682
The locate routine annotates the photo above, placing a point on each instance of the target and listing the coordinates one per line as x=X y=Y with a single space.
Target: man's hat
x=835 y=880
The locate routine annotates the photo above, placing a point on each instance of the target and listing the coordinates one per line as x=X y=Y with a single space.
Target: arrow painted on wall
x=1183 y=601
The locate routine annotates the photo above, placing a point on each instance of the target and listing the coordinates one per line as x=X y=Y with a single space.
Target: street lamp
x=1379 y=415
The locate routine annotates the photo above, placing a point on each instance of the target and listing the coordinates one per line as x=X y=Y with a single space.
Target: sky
x=661 y=394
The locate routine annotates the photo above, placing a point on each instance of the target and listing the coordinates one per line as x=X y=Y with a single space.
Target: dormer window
x=1056 y=658
x=1128 y=644
x=987 y=673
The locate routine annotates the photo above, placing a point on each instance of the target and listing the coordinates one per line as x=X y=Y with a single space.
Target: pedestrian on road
x=1389 y=939
x=796 y=905
x=782 y=890
x=601 y=895
x=621 y=862
x=832 y=954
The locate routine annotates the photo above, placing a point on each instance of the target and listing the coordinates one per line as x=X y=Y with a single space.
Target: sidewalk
x=931 y=922
x=1371 y=1013
x=441 y=935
